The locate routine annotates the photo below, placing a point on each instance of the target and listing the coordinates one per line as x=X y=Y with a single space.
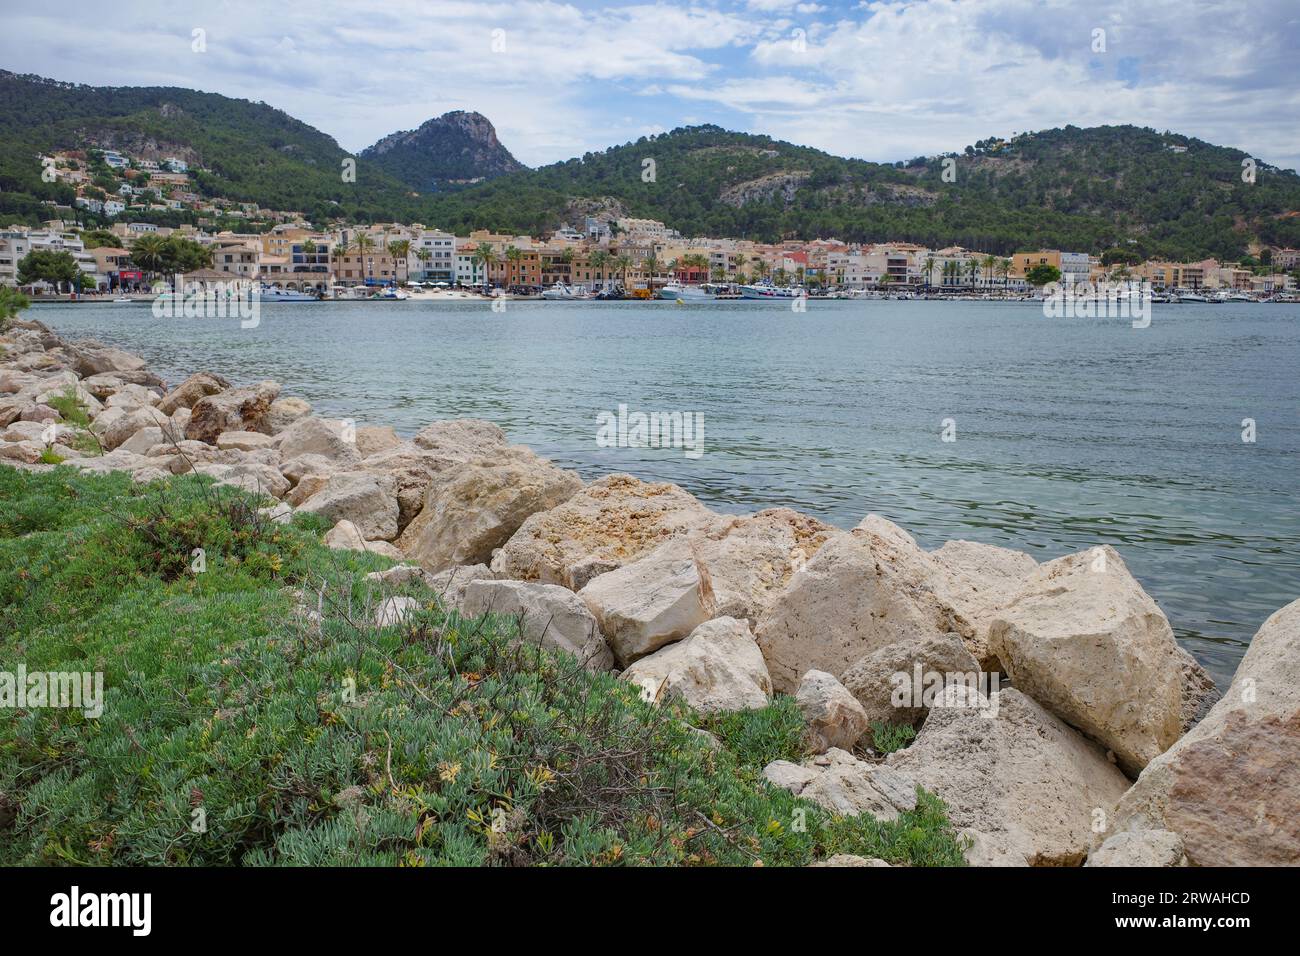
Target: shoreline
x=645 y=580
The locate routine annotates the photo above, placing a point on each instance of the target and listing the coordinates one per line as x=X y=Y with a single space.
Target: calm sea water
x=1069 y=432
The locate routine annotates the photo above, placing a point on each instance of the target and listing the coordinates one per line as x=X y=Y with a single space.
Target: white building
x=432 y=256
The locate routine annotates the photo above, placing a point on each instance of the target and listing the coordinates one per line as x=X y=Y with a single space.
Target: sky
x=882 y=81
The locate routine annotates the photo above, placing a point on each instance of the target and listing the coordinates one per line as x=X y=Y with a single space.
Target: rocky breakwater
x=1053 y=712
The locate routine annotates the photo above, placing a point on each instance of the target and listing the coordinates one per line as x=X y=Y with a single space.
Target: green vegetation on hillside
x=253 y=714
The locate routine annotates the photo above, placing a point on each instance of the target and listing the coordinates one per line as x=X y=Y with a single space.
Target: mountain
x=454 y=147
x=1123 y=189
x=1094 y=189
x=252 y=152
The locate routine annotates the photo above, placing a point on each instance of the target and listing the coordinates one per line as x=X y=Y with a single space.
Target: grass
x=254 y=715
x=76 y=416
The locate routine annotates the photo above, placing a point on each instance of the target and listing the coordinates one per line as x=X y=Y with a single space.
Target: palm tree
x=398 y=249
x=424 y=255
x=650 y=266
x=363 y=245
x=622 y=263
x=780 y=277
x=485 y=256
x=1004 y=267
x=513 y=255
x=990 y=264
x=149 y=252
x=929 y=268
x=599 y=261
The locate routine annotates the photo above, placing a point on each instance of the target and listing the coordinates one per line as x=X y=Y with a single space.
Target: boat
x=766 y=290
x=1192 y=297
x=271 y=293
x=123 y=300
x=680 y=292
x=565 y=292
x=390 y=294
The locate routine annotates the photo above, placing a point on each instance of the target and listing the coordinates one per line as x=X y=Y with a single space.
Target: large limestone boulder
x=548 y=615
x=452 y=583
x=1230 y=788
x=649 y=603
x=198 y=386
x=116 y=425
x=236 y=409
x=283 y=413
x=980 y=579
x=461 y=438
x=131 y=396
x=373 y=439
x=1085 y=641
x=717 y=667
x=1015 y=773
x=1140 y=848
x=886 y=680
x=258 y=477
x=475 y=508
x=832 y=716
x=859 y=592
x=607 y=524
x=324 y=437
x=846 y=786
x=93 y=358
x=244 y=441
x=366 y=499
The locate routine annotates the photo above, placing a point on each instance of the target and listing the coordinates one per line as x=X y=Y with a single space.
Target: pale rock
x=649 y=603
x=478 y=506
x=307 y=486
x=366 y=499
x=616 y=519
x=38 y=413
x=979 y=580
x=452 y=584
x=874 y=679
x=550 y=616
x=280 y=513
x=1085 y=641
x=372 y=439
x=298 y=467
x=252 y=476
x=27 y=452
x=283 y=413
x=1230 y=788
x=847 y=859
x=461 y=437
x=1015 y=773
x=116 y=425
x=344 y=536
x=235 y=409
x=832 y=717
x=394 y=610
x=198 y=386
x=313 y=435
x=397 y=575
x=131 y=396
x=846 y=786
x=717 y=667
x=1140 y=848
x=144 y=441
x=244 y=441
x=385 y=549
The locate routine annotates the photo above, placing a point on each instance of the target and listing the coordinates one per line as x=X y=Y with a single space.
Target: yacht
x=271 y=293
x=562 y=291
x=766 y=290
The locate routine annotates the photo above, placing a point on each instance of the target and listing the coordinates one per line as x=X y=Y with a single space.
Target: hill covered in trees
x=1106 y=188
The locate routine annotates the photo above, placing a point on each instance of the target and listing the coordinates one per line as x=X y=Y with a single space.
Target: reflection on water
x=1069 y=432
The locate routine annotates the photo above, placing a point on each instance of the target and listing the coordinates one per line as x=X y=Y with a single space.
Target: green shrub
x=258 y=699
x=886 y=738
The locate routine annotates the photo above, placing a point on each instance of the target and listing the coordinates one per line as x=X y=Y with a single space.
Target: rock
x=717 y=667
x=846 y=786
x=253 y=476
x=1230 y=788
x=979 y=580
x=751 y=558
x=344 y=536
x=116 y=425
x=198 y=386
x=38 y=413
x=453 y=583
x=875 y=679
x=477 y=507
x=652 y=602
x=280 y=513
x=397 y=575
x=307 y=486
x=283 y=413
x=144 y=441
x=1199 y=692
x=366 y=499
x=1085 y=641
x=236 y=409
x=461 y=437
x=325 y=437
x=616 y=519
x=394 y=611
x=93 y=358
x=131 y=396
x=1141 y=848
x=27 y=452
x=549 y=615
x=296 y=468
x=244 y=441
x=26 y=431
x=385 y=549
x=102 y=385
x=372 y=439
x=1032 y=784
x=413 y=470
x=985 y=850
x=846 y=859
x=860 y=592
x=832 y=717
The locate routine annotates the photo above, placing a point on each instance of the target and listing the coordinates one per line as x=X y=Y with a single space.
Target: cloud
x=883 y=79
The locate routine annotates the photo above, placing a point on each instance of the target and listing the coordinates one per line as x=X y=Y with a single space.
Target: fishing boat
x=680 y=292
x=271 y=293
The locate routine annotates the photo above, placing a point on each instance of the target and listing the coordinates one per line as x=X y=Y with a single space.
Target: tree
x=364 y=243
x=149 y=254
x=1041 y=274
x=485 y=256
x=46 y=265
x=11 y=303
x=513 y=256
x=599 y=262
x=622 y=263
x=398 y=249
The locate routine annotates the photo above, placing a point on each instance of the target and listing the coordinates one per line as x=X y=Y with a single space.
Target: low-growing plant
x=51 y=457
x=887 y=738
x=258 y=713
